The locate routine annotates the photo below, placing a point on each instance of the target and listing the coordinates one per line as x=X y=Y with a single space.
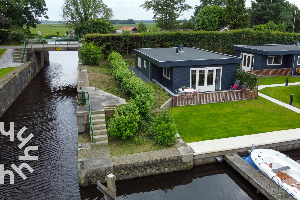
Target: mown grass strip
x=1 y=52
x=283 y=94
x=5 y=71
x=231 y=119
x=277 y=80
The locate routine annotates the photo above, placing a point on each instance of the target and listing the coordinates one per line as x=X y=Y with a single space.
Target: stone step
x=98 y=116
x=97 y=112
x=100 y=132
x=100 y=143
x=99 y=127
x=98 y=121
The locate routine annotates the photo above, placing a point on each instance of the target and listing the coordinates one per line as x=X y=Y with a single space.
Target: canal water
x=47 y=108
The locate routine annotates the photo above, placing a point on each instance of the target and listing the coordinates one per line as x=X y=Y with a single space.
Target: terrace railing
x=213 y=97
x=272 y=72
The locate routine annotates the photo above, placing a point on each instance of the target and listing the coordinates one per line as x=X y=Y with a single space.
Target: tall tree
x=166 y=12
x=235 y=14
x=79 y=11
x=204 y=3
x=22 y=13
x=264 y=11
x=210 y=18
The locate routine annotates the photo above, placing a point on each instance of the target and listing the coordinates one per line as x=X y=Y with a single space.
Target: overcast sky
x=128 y=9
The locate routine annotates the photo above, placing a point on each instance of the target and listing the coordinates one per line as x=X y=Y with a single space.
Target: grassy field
x=283 y=94
x=5 y=71
x=230 y=119
x=2 y=51
x=277 y=80
x=50 y=29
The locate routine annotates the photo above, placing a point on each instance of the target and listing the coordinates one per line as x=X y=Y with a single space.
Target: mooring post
x=111 y=183
x=291 y=99
x=287 y=82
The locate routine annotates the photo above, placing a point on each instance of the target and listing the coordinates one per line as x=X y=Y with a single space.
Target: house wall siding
x=157 y=74
x=144 y=70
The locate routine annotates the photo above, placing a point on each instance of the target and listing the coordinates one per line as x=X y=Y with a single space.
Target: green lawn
x=277 y=80
x=283 y=94
x=2 y=51
x=230 y=119
x=51 y=29
x=5 y=71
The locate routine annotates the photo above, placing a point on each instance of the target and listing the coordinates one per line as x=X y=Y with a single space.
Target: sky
x=128 y=9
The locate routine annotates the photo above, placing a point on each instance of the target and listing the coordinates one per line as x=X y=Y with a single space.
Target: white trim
x=145 y=63
x=166 y=72
x=205 y=82
x=298 y=62
x=273 y=60
x=247 y=65
x=139 y=61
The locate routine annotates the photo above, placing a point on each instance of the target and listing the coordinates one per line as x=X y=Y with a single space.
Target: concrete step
x=98 y=116
x=101 y=143
x=100 y=132
x=99 y=127
x=99 y=138
x=98 y=121
x=97 y=112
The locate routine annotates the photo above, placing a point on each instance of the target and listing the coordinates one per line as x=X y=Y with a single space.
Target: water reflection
x=47 y=107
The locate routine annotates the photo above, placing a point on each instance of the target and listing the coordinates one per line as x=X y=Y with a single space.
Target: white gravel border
x=7 y=59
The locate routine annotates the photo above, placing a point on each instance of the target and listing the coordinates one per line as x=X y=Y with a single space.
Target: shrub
x=94 y=26
x=163 y=128
x=91 y=54
x=250 y=79
x=125 y=122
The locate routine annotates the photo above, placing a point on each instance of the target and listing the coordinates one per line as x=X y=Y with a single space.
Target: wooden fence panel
x=272 y=72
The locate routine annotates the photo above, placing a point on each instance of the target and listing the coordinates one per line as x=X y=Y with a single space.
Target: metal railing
x=23 y=51
x=83 y=99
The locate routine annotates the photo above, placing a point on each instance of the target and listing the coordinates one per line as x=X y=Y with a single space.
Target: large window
x=166 y=72
x=298 y=63
x=139 y=61
x=274 y=60
x=247 y=61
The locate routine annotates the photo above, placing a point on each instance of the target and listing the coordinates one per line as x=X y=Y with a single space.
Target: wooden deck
x=272 y=72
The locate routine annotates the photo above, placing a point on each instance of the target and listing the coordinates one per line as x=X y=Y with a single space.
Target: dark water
x=47 y=107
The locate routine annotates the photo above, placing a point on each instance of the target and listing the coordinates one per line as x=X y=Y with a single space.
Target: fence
x=272 y=72
x=213 y=97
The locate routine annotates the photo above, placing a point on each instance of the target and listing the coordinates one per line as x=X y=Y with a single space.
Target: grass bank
x=50 y=29
x=2 y=51
x=230 y=119
x=5 y=71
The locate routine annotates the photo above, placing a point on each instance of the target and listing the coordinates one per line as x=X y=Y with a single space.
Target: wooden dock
x=263 y=184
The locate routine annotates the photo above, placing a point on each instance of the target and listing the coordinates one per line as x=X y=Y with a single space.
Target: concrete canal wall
x=14 y=83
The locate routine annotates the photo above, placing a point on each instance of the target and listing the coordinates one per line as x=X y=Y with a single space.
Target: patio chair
x=244 y=86
x=235 y=85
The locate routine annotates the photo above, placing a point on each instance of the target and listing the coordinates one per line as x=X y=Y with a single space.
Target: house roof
x=125 y=28
x=167 y=57
x=269 y=49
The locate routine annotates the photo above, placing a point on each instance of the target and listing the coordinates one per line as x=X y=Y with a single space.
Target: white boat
x=284 y=171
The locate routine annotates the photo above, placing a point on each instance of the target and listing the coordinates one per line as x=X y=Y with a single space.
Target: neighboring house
x=199 y=69
x=268 y=56
x=132 y=29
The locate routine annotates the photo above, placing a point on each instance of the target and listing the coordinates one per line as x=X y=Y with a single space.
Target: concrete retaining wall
x=14 y=83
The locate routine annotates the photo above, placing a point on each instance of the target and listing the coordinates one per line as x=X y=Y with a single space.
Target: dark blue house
x=199 y=69
x=268 y=56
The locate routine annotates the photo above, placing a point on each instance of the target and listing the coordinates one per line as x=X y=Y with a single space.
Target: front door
x=206 y=79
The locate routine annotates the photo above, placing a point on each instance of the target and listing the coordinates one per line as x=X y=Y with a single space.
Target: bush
x=125 y=122
x=163 y=128
x=91 y=54
x=250 y=79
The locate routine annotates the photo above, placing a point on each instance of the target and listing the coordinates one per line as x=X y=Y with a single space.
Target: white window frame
x=139 y=61
x=273 y=60
x=298 y=62
x=145 y=63
x=166 y=72
x=251 y=64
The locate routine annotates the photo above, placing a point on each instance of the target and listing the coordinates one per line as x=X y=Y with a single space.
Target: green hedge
x=212 y=40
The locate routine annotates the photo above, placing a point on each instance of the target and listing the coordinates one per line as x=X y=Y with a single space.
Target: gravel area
x=7 y=59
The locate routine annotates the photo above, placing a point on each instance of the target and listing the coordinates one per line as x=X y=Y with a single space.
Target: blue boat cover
x=249 y=160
